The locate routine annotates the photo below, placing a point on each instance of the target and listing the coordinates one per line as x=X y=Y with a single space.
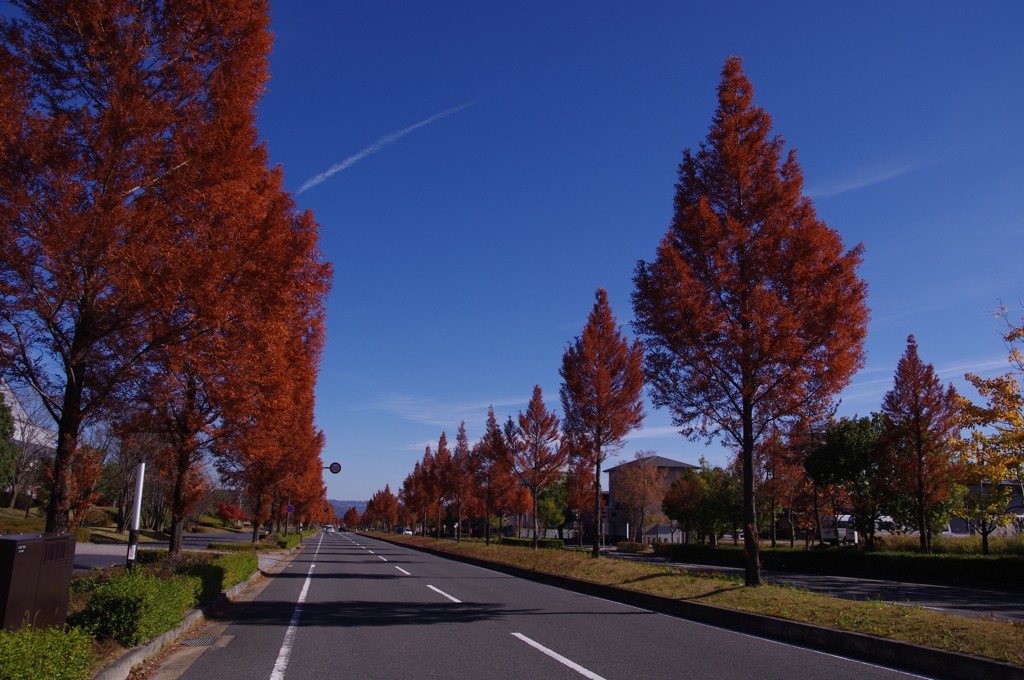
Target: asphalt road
x=352 y=607
x=99 y=555
x=971 y=602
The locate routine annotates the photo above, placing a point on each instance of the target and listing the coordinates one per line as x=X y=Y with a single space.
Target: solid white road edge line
x=559 y=658
x=289 y=635
x=403 y=571
x=441 y=592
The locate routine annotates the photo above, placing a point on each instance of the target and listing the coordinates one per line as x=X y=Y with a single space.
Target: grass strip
x=987 y=637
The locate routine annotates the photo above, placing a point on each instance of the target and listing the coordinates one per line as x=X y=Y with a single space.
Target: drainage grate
x=199 y=642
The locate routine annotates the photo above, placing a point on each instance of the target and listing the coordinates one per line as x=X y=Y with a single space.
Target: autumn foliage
x=146 y=240
x=751 y=312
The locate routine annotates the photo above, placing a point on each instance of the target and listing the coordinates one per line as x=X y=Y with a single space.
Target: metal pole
x=133 y=533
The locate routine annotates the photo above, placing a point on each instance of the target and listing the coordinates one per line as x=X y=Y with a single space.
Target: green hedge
x=131 y=608
x=995 y=568
x=236 y=547
x=222 y=572
x=49 y=654
x=630 y=547
x=288 y=542
x=22 y=526
x=555 y=543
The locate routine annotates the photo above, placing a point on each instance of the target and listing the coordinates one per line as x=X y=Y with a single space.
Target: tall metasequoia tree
x=601 y=393
x=919 y=428
x=126 y=132
x=492 y=473
x=752 y=311
x=462 y=468
x=538 y=458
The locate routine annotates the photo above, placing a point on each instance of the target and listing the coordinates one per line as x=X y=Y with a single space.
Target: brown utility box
x=35 y=579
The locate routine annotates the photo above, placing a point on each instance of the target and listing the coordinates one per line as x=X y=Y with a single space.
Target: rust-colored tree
x=128 y=128
x=752 y=312
x=462 y=484
x=492 y=472
x=919 y=424
x=538 y=458
x=601 y=393
x=441 y=474
x=579 y=488
x=351 y=517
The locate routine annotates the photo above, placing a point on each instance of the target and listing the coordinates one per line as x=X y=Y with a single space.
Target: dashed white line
x=382 y=558
x=559 y=658
x=403 y=571
x=441 y=592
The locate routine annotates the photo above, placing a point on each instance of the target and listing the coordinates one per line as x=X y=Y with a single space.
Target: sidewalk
x=92 y=555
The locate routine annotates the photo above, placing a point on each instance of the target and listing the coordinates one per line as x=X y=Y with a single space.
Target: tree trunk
x=596 y=552
x=751 y=546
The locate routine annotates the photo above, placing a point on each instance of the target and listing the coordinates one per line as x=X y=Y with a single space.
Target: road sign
x=290 y=508
x=335 y=468
x=604 y=514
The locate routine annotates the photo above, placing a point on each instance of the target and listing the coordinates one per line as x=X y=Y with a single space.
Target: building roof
x=659 y=461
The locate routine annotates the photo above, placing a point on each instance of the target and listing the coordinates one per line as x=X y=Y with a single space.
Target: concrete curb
x=903 y=656
x=123 y=665
x=120 y=668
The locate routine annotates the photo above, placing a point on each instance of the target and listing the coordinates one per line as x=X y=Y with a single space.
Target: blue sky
x=492 y=164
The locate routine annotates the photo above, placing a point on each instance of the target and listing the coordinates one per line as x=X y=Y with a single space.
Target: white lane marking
x=403 y=571
x=289 y=635
x=441 y=592
x=382 y=558
x=371 y=552
x=559 y=658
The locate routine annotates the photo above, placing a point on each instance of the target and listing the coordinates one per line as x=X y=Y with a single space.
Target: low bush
x=222 y=572
x=133 y=607
x=288 y=542
x=236 y=547
x=82 y=535
x=96 y=517
x=996 y=568
x=630 y=547
x=22 y=526
x=549 y=543
x=48 y=654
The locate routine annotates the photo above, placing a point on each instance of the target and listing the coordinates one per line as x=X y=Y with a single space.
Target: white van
x=836 y=530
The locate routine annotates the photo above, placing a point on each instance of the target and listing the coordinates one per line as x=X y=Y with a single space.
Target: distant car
x=407 y=532
x=329 y=528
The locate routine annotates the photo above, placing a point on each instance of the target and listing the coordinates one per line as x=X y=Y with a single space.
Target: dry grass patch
x=996 y=639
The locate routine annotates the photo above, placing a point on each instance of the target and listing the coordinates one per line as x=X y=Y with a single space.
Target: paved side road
x=971 y=602
x=354 y=607
x=102 y=555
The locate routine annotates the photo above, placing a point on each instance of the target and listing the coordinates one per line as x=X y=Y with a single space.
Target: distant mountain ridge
x=341 y=507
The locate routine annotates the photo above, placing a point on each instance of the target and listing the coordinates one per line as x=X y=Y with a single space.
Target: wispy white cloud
x=387 y=139
x=652 y=432
x=863 y=177
x=445 y=415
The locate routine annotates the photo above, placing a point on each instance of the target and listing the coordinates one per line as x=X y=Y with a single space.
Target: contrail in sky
x=377 y=146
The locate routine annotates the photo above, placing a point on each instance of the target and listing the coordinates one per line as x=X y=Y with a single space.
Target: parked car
x=407 y=532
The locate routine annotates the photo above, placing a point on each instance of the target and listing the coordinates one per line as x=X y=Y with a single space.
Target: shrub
x=22 y=526
x=222 y=572
x=97 y=518
x=49 y=654
x=132 y=607
x=236 y=547
x=288 y=542
x=82 y=535
x=548 y=543
x=630 y=547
